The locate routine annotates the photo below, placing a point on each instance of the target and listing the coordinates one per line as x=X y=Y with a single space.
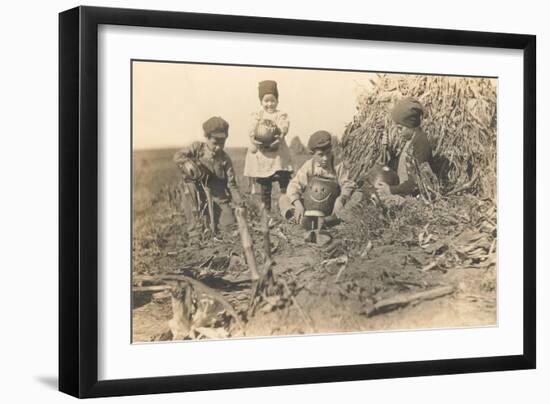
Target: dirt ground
x=389 y=281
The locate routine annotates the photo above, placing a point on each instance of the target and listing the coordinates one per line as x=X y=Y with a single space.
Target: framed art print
x=251 y=201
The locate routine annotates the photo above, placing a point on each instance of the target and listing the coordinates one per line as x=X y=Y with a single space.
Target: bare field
x=411 y=267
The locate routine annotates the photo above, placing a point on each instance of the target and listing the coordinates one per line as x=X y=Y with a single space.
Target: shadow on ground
x=48 y=381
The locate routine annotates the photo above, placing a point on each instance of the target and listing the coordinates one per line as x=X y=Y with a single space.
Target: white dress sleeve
x=283 y=123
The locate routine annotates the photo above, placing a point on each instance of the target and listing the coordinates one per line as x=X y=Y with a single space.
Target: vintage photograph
x=271 y=201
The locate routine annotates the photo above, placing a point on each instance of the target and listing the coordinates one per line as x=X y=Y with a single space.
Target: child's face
x=269 y=103
x=322 y=157
x=403 y=130
x=216 y=143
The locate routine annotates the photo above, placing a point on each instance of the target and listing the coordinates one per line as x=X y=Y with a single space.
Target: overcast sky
x=172 y=100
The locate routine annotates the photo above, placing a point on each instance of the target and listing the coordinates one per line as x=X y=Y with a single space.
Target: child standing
x=208 y=174
x=268 y=157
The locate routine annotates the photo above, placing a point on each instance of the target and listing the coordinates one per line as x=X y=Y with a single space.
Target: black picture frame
x=78 y=200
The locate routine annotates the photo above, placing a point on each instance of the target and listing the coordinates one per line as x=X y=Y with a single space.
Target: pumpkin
x=382 y=173
x=191 y=170
x=266 y=132
x=321 y=194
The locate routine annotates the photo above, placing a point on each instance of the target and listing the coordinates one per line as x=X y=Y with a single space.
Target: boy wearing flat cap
x=321 y=166
x=211 y=172
x=414 y=152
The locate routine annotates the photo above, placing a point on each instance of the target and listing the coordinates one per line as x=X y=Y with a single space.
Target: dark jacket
x=221 y=178
x=419 y=150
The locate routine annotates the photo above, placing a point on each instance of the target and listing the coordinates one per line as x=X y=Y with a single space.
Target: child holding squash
x=268 y=157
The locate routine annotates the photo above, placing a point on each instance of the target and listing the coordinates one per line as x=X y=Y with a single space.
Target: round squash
x=321 y=194
x=266 y=132
x=191 y=170
x=382 y=173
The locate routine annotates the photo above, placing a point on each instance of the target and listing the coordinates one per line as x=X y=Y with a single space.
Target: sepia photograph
x=284 y=201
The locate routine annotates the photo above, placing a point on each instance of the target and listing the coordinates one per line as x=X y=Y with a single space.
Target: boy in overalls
x=209 y=178
x=319 y=169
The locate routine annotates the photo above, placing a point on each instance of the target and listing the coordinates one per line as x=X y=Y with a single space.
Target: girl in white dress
x=268 y=157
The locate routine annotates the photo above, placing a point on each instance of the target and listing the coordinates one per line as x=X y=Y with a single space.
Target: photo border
x=195 y=63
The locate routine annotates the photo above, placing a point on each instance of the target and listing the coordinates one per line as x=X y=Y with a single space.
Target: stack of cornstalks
x=459 y=118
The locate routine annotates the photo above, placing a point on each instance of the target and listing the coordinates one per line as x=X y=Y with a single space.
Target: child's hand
x=338 y=206
x=382 y=189
x=257 y=146
x=239 y=204
x=298 y=211
x=253 y=148
x=275 y=144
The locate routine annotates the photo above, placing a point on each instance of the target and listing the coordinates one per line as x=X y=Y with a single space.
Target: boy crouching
x=209 y=179
x=320 y=188
x=413 y=157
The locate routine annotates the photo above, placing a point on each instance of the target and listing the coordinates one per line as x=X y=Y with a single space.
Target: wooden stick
x=430 y=266
x=298 y=272
x=210 y=204
x=340 y=272
x=267 y=240
x=152 y=288
x=246 y=241
x=401 y=300
x=464 y=187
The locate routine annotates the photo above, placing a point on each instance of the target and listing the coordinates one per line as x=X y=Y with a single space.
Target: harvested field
x=404 y=267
